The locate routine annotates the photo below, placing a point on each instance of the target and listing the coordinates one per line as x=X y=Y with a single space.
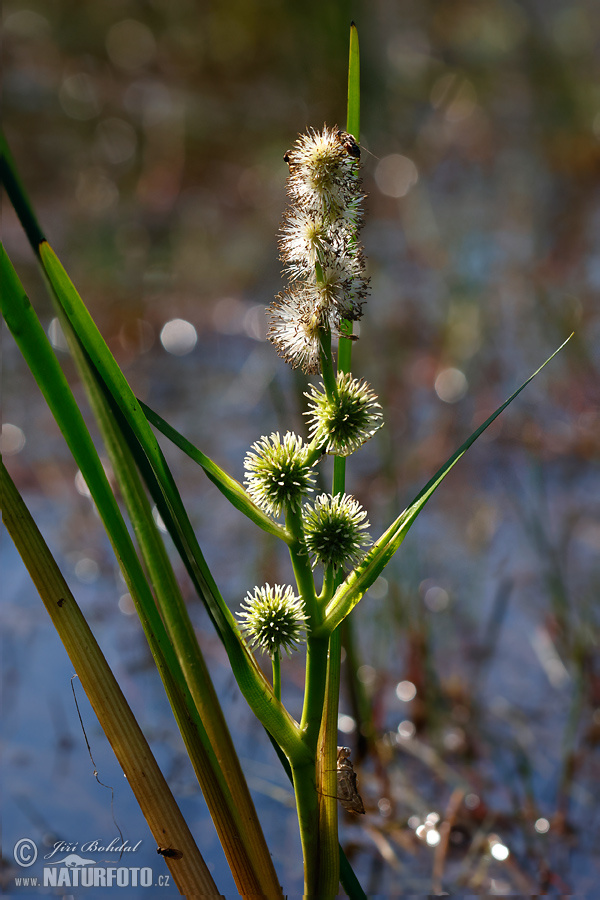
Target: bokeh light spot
x=346 y=724
x=406 y=691
x=158 y=520
x=78 y=96
x=451 y=385
x=384 y=806
x=366 y=675
x=87 y=570
x=406 y=730
x=81 y=485
x=178 y=337
x=436 y=599
x=499 y=851
x=12 y=440
x=395 y=175
x=126 y=605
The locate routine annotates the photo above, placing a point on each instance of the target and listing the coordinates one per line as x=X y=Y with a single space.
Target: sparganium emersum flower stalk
x=318 y=247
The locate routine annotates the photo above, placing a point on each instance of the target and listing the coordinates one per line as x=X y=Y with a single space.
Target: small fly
x=348 y=143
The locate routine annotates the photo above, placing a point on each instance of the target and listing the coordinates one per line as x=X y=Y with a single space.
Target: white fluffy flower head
x=335 y=530
x=347 y=420
x=273 y=619
x=277 y=474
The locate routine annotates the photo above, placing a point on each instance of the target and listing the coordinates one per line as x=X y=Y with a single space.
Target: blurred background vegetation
x=150 y=136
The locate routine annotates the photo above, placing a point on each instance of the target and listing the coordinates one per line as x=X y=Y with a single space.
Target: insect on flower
x=346 y=140
x=348 y=143
x=319 y=248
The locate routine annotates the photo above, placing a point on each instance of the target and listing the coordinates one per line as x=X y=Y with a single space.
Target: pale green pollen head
x=277 y=474
x=335 y=530
x=347 y=420
x=273 y=619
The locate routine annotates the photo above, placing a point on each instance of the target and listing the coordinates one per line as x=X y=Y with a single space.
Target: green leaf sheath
x=363 y=576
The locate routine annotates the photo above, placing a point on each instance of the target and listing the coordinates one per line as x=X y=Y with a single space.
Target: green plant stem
x=327 y=365
x=329 y=875
x=131 y=749
x=276 y=660
x=328 y=585
x=301 y=566
x=303 y=777
x=327 y=756
x=314 y=691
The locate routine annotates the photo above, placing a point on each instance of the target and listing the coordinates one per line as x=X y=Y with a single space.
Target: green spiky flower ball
x=273 y=619
x=346 y=421
x=334 y=530
x=277 y=474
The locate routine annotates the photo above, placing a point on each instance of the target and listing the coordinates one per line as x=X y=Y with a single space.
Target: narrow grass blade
x=18 y=196
x=156 y=801
x=37 y=352
x=363 y=576
x=110 y=373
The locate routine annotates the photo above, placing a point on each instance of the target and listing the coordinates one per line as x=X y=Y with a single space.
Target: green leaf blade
x=228 y=486
x=353 y=117
x=363 y=576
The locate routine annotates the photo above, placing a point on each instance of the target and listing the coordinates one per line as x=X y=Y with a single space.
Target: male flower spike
x=318 y=247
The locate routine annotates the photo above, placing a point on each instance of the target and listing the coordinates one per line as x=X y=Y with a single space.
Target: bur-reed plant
x=333 y=560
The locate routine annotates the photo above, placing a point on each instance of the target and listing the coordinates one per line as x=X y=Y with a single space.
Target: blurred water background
x=150 y=136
